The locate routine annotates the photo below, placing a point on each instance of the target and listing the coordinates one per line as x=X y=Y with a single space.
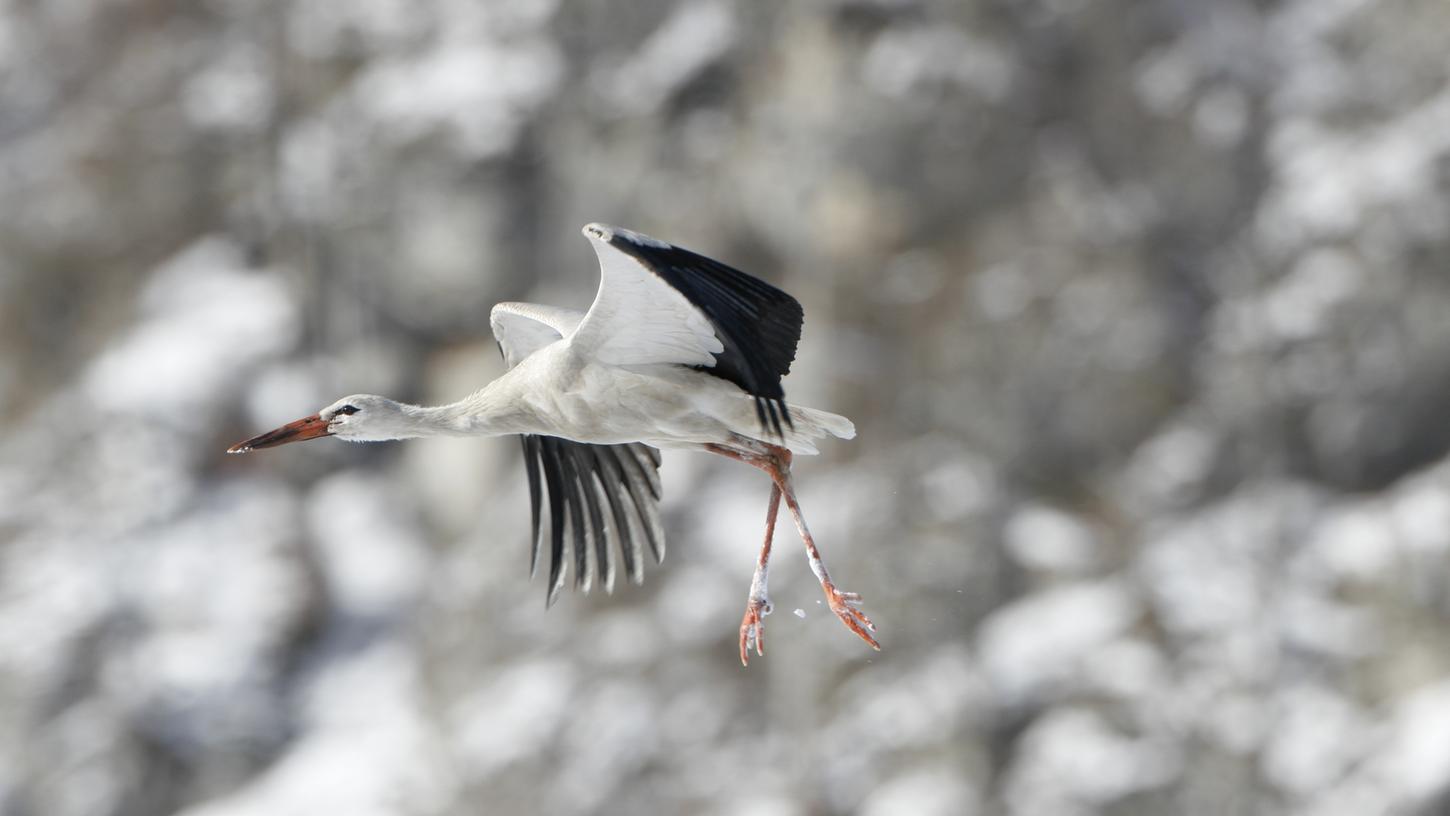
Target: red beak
x=309 y=427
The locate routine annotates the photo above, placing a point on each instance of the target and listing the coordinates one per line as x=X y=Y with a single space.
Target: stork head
x=360 y=417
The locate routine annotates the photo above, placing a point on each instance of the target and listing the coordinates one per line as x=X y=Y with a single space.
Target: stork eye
x=349 y=410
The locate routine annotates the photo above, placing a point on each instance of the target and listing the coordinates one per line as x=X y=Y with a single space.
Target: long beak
x=309 y=427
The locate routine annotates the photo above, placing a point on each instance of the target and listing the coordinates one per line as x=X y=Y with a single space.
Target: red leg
x=846 y=605
x=752 y=628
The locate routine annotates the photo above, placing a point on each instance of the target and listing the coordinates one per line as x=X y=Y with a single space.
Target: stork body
x=677 y=351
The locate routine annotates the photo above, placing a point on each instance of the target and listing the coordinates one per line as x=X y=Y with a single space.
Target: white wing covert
x=659 y=303
x=638 y=319
x=523 y=328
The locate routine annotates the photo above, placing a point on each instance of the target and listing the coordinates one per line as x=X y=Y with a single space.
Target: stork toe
x=752 y=629
x=847 y=606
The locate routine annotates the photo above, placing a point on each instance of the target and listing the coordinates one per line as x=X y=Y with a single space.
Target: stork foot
x=752 y=628
x=847 y=606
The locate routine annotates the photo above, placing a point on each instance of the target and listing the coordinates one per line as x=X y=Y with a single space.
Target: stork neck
x=485 y=413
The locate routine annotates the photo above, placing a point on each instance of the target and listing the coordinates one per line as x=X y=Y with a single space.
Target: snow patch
x=1041 y=538
x=695 y=36
x=515 y=716
x=479 y=93
x=1071 y=758
x=1039 y=641
x=1416 y=761
x=205 y=318
x=372 y=558
x=1315 y=737
x=931 y=791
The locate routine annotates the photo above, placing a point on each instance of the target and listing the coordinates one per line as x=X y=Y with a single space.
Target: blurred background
x=1140 y=309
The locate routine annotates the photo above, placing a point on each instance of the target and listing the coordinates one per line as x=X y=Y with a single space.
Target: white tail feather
x=812 y=424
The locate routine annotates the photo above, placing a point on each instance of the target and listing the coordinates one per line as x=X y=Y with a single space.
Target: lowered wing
x=597 y=493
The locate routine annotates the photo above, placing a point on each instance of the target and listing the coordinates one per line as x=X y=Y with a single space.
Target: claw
x=861 y=616
x=752 y=629
x=846 y=605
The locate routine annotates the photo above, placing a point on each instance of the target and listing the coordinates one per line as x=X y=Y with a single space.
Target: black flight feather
x=531 y=467
x=554 y=481
x=758 y=324
x=574 y=503
x=610 y=476
x=574 y=476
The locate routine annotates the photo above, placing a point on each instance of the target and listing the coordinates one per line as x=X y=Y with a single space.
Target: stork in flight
x=677 y=351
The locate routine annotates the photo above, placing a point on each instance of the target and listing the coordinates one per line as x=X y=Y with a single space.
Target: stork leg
x=775 y=461
x=752 y=628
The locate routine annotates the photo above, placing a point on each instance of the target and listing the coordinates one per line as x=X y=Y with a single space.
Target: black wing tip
x=758 y=324
x=774 y=416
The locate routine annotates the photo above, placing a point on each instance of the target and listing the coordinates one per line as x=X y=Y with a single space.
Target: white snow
x=623 y=638
x=372 y=559
x=1314 y=736
x=694 y=599
x=1355 y=542
x=1204 y=571
x=1127 y=668
x=1420 y=514
x=1042 y=538
x=1038 y=642
x=1001 y=291
x=193 y=341
x=232 y=93
x=957 y=487
x=512 y=716
x=1328 y=181
x=1416 y=762
x=1221 y=117
x=926 y=791
x=923 y=702
x=1164 y=79
x=611 y=731
x=1170 y=462
x=480 y=93
x=1236 y=721
x=1299 y=305
x=1311 y=620
x=693 y=37
x=1072 y=758
x=367 y=749
x=904 y=58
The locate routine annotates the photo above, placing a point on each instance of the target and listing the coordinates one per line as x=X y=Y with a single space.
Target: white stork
x=677 y=351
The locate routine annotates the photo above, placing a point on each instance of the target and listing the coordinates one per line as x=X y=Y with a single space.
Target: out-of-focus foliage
x=1141 y=308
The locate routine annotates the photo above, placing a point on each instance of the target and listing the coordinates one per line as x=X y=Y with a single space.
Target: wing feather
x=578 y=478
x=523 y=328
x=659 y=303
x=554 y=479
x=609 y=474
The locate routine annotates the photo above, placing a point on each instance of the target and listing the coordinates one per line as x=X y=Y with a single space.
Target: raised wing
x=523 y=328
x=584 y=482
x=658 y=303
